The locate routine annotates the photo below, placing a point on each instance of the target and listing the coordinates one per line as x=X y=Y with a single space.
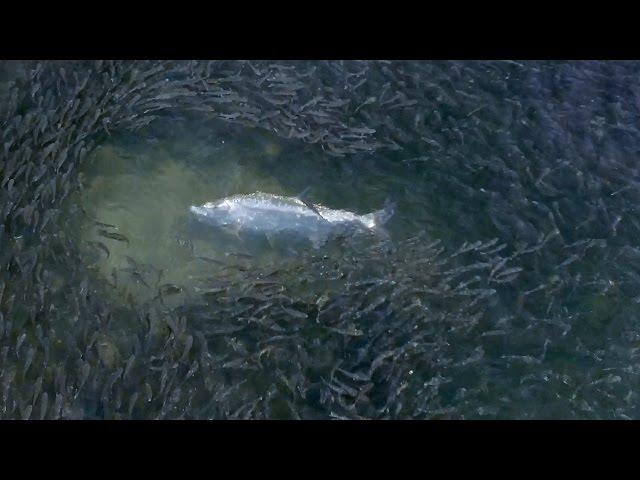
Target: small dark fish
x=113 y=235
x=361 y=377
x=239 y=255
x=26 y=413
x=132 y=402
x=192 y=369
x=19 y=342
x=128 y=366
x=294 y=313
x=169 y=289
x=138 y=276
x=44 y=404
x=57 y=406
x=350 y=331
x=311 y=102
x=375 y=364
x=30 y=354
x=101 y=246
x=204 y=349
x=237 y=363
x=210 y=291
x=569 y=261
x=368 y=101
x=225 y=330
x=148 y=392
x=210 y=260
x=508 y=271
x=229 y=116
x=160 y=274
x=132 y=263
x=84 y=372
x=45 y=219
x=265 y=283
x=187 y=348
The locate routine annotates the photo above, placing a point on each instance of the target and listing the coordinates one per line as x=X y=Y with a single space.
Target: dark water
x=510 y=287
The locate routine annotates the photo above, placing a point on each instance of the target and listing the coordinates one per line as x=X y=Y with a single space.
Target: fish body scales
x=269 y=213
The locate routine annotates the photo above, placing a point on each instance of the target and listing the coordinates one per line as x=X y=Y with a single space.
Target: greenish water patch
x=139 y=234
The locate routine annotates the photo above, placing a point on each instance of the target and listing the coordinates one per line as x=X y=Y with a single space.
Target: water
x=143 y=189
x=510 y=287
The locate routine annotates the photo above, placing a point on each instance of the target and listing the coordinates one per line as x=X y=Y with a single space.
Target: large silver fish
x=272 y=214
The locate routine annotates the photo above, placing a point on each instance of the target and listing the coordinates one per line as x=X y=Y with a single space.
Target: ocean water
x=142 y=188
x=509 y=286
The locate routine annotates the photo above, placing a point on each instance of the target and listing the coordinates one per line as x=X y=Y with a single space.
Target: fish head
x=215 y=213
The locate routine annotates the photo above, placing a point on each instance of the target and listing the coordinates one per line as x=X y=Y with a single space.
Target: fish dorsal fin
x=304 y=193
x=303 y=197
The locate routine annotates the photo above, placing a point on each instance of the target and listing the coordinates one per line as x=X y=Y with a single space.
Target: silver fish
x=270 y=214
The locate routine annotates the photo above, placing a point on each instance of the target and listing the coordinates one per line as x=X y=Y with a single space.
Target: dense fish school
x=513 y=291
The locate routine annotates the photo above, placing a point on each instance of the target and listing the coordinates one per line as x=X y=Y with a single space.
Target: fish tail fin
x=382 y=216
x=379 y=218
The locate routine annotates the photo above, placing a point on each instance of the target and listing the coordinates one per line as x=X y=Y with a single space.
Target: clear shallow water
x=143 y=188
x=510 y=288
